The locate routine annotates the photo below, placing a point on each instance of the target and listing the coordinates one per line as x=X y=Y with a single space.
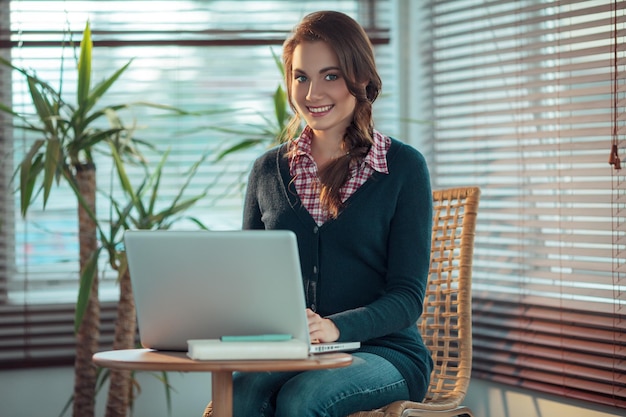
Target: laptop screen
x=209 y=284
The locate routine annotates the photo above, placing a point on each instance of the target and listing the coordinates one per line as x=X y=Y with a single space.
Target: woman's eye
x=331 y=77
x=300 y=78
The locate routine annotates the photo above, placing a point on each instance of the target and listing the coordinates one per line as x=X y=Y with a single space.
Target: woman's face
x=319 y=91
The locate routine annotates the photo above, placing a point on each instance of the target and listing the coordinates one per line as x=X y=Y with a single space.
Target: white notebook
x=217 y=349
x=205 y=285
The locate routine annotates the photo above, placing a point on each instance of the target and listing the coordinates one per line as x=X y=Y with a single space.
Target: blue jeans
x=369 y=382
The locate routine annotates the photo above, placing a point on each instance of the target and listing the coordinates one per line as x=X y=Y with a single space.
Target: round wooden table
x=221 y=371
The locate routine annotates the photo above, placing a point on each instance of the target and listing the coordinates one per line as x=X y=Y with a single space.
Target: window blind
x=523 y=99
x=6 y=218
x=213 y=58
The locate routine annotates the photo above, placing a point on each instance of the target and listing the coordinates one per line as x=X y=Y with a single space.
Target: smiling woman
x=363 y=224
x=194 y=55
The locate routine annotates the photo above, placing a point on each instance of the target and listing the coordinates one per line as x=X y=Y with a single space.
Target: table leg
x=222 y=393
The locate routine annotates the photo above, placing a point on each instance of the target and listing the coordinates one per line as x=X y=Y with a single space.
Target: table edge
x=152 y=360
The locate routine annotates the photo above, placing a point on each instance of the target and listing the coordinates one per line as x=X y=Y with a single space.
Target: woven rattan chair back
x=446 y=324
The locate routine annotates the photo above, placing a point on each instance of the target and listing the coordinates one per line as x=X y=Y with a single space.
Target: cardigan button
x=316 y=229
x=313 y=307
x=315 y=269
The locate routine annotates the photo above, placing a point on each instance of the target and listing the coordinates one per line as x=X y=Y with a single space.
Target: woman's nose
x=314 y=91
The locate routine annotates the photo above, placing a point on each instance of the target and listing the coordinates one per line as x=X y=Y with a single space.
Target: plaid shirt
x=304 y=171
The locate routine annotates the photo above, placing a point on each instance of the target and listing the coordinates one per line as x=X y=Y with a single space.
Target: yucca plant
x=67 y=135
x=138 y=210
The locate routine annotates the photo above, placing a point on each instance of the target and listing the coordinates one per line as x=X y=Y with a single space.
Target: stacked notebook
x=216 y=349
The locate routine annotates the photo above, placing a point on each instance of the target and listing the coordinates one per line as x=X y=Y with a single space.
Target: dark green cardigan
x=366 y=270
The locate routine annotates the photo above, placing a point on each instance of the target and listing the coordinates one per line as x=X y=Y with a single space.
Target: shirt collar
x=376 y=157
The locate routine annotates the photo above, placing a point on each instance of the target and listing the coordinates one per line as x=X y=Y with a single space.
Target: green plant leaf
x=84 y=143
x=30 y=167
x=84 y=67
x=244 y=144
x=164 y=378
x=181 y=206
x=156 y=177
x=280 y=105
x=121 y=171
x=121 y=222
x=168 y=393
x=96 y=114
x=197 y=222
x=86 y=282
x=279 y=62
x=45 y=110
x=190 y=174
x=67 y=406
x=176 y=111
x=101 y=88
x=7 y=109
x=51 y=164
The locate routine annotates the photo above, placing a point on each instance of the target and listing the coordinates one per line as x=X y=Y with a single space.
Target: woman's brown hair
x=356 y=61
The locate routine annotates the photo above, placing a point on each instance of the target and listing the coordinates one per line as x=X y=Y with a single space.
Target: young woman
x=360 y=205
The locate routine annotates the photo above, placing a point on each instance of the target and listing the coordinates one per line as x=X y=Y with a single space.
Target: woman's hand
x=321 y=329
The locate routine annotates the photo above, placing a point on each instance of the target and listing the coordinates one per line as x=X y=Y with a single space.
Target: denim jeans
x=369 y=382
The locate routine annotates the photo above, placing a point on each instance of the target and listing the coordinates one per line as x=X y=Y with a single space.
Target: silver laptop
x=196 y=285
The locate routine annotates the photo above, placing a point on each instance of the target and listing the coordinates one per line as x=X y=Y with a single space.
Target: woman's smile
x=320 y=110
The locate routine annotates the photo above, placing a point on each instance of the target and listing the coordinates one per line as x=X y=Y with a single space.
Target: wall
x=493 y=400
x=44 y=392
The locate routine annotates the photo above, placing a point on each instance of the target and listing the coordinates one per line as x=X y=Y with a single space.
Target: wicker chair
x=446 y=324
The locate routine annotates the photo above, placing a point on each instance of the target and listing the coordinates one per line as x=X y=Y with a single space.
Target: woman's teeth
x=320 y=109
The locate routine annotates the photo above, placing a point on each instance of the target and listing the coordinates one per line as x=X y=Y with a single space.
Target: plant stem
x=89 y=330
